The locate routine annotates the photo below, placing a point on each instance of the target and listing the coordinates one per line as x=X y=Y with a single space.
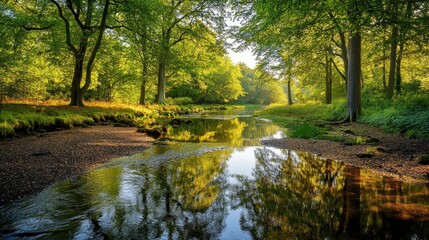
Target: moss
x=26 y=119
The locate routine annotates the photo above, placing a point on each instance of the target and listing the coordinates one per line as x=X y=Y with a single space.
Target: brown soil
x=393 y=155
x=31 y=163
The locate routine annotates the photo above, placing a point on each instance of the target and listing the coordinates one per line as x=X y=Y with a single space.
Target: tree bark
x=402 y=40
x=384 y=69
x=289 y=93
x=344 y=57
x=354 y=77
x=161 y=83
x=398 y=69
x=77 y=77
x=145 y=59
x=343 y=46
x=142 y=100
x=393 y=48
x=328 y=80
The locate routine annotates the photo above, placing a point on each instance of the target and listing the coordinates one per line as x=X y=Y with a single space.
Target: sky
x=246 y=57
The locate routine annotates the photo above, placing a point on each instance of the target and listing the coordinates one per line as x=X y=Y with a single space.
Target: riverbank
x=386 y=154
x=31 y=163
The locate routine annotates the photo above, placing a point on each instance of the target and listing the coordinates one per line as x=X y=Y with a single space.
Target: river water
x=216 y=181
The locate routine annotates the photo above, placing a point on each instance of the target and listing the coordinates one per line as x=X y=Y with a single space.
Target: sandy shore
x=31 y=163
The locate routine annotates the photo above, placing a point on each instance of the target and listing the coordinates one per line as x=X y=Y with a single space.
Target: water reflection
x=236 y=131
x=300 y=196
x=222 y=189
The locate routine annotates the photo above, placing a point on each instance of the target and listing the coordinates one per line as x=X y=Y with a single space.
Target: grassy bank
x=408 y=116
x=17 y=118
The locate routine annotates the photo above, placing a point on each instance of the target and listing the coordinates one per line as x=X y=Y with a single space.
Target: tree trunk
x=145 y=59
x=402 y=39
x=393 y=47
x=344 y=57
x=354 y=77
x=289 y=93
x=77 y=78
x=398 y=68
x=94 y=51
x=384 y=69
x=343 y=47
x=328 y=80
x=161 y=83
x=142 y=100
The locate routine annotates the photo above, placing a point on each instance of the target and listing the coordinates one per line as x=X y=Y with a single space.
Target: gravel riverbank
x=31 y=163
x=392 y=155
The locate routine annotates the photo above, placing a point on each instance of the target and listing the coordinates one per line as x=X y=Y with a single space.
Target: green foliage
x=178 y=101
x=260 y=87
x=406 y=115
x=27 y=119
x=305 y=130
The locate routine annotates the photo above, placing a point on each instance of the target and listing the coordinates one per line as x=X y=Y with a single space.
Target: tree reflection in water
x=182 y=199
x=296 y=195
x=248 y=192
x=233 y=131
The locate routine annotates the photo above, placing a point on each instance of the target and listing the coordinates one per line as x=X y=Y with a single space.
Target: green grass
x=307 y=120
x=305 y=130
x=408 y=116
x=27 y=118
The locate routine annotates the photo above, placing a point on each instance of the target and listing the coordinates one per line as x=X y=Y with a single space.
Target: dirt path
x=393 y=155
x=30 y=164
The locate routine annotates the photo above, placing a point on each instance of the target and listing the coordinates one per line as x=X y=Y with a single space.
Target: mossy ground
x=25 y=118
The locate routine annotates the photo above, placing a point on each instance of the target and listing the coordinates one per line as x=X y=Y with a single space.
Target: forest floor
x=31 y=163
x=383 y=153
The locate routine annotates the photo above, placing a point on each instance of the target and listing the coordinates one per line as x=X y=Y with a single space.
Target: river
x=215 y=180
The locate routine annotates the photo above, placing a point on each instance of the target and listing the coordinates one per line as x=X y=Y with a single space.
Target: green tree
x=141 y=19
x=180 y=19
x=82 y=20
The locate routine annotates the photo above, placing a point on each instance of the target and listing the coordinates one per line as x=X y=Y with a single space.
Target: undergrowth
x=406 y=115
x=26 y=118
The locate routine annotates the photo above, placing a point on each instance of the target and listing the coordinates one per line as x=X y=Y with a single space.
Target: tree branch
x=67 y=25
x=339 y=71
x=36 y=28
x=75 y=14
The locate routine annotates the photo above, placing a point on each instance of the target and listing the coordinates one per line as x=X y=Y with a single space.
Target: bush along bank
x=407 y=116
x=23 y=119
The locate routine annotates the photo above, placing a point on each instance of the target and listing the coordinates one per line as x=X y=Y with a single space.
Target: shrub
x=178 y=101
